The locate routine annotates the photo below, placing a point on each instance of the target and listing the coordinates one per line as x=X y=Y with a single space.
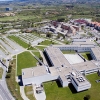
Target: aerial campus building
x=65 y=67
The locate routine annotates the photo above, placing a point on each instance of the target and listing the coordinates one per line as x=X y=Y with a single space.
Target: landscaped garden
x=13 y=86
x=47 y=42
x=40 y=47
x=54 y=91
x=19 y=41
x=37 y=54
x=25 y=60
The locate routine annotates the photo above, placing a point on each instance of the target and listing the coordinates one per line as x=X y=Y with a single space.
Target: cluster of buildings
x=62 y=28
x=86 y=22
x=96 y=25
x=60 y=68
x=70 y=28
x=7 y=14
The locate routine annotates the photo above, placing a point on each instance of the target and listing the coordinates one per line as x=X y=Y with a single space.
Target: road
x=4 y=91
x=4 y=94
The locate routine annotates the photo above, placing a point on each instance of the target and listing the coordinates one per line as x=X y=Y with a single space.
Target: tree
x=41 y=58
x=87 y=97
x=49 y=35
x=29 y=44
x=61 y=19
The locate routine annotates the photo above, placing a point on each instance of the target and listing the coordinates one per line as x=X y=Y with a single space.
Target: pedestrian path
x=40 y=96
x=23 y=93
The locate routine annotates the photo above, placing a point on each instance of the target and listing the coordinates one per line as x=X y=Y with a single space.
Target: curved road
x=4 y=94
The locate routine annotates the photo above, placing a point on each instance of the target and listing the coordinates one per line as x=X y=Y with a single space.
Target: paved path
x=4 y=94
x=23 y=93
x=40 y=96
x=4 y=91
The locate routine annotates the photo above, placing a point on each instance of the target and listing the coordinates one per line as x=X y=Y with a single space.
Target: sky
x=6 y=0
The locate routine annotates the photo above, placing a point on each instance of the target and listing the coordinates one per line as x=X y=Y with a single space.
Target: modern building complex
x=96 y=25
x=62 y=28
x=67 y=68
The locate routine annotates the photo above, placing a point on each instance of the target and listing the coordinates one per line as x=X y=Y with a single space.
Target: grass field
x=19 y=41
x=37 y=54
x=29 y=92
x=12 y=84
x=87 y=55
x=17 y=17
x=46 y=42
x=31 y=48
x=25 y=60
x=54 y=91
x=1 y=72
x=68 y=52
x=40 y=47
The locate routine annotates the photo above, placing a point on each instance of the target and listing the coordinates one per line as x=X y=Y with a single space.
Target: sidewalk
x=23 y=93
x=40 y=96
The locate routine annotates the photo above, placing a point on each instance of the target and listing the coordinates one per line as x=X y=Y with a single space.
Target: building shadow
x=72 y=88
x=58 y=83
x=20 y=78
x=85 y=98
x=89 y=56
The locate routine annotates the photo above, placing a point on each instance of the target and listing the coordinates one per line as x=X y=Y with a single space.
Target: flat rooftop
x=88 y=65
x=57 y=57
x=96 y=52
x=33 y=72
x=74 y=45
x=80 y=80
x=83 y=42
x=73 y=58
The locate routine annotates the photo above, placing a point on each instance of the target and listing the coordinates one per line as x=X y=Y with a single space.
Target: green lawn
x=40 y=47
x=1 y=72
x=25 y=60
x=19 y=41
x=17 y=17
x=87 y=55
x=31 y=48
x=68 y=52
x=47 y=42
x=37 y=54
x=29 y=92
x=13 y=86
x=54 y=92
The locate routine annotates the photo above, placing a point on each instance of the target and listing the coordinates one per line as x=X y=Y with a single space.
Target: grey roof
x=96 y=52
x=80 y=80
x=57 y=57
x=88 y=65
x=33 y=72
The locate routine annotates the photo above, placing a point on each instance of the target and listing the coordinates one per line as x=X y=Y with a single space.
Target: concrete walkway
x=23 y=93
x=40 y=96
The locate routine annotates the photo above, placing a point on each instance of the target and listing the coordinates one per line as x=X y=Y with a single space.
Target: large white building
x=62 y=69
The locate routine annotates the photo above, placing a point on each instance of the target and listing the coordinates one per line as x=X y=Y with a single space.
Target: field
x=19 y=41
x=25 y=60
x=1 y=72
x=17 y=17
x=29 y=92
x=87 y=55
x=68 y=52
x=54 y=91
x=46 y=42
x=13 y=86
x=36 y=54
x=40 y=47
